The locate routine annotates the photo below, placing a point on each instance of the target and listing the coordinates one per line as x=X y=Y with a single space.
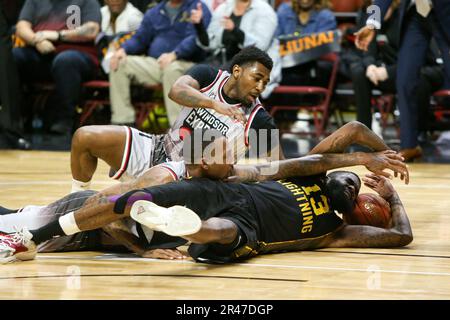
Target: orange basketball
x=370 y=209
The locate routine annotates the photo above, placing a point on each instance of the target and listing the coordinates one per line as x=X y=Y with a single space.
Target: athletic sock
x=80 y=185
x=64 y=226
x=53 y=229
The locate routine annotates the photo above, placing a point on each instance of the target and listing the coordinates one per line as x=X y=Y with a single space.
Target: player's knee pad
x=128 y=198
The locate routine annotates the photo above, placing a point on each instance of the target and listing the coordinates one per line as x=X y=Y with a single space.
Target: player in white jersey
x=107 y=206
x=212 y=99
x=126 y=234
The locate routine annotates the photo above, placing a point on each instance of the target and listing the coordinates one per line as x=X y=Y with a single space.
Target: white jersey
x=198 y=118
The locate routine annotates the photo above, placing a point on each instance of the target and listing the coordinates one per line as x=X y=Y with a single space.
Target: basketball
x=370 y=209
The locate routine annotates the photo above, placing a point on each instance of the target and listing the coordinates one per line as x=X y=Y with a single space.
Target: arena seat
x=320 y=110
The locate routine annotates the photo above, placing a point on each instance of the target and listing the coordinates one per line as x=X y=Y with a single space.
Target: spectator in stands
x=10 y=117
x=378 y=67
x=144 y=5
x=60 y=46
x=302 y=17
x=420 y=22
x=167 y=36
x=213 y=4
x=120 y=16
x=236 y=24
x=305 y=17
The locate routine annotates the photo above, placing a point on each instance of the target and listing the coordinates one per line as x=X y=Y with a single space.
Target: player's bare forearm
x=185 y=92
x=152 y=177
x=350 y=133
x=119 y=231
x=98 y=213
x=310 y=165
x=84 y=33
x=400 y=221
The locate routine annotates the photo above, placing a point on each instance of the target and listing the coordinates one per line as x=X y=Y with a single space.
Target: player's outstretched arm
x=398 y=234
x=351 y=133
x=376 y=162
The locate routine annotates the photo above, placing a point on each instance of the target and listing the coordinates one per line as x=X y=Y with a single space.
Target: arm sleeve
x=204 y=74
x=370 y=57
x=233 y=38
x=327 y=21
x=188 y=47
x=135 y=20
x=384 y=6
x=215 y=29
x=142 y=38
x=392 y=71
x=91 y=12
x=202 y=35
x=263 y=30
x=27 y=12
x=282 y=18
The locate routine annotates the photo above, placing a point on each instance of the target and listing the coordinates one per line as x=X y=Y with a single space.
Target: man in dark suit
x=9 y=83
x=420 y=20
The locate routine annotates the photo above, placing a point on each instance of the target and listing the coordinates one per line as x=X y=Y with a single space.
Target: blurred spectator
x=144 y=5
x=240 y=23
x=305 y=17
x=10 y=117
x=420 y=21
x=120 y=16
x=378 y=68
x=302 y=17
x=60 y=46
x=167 y=37
x=213 y=4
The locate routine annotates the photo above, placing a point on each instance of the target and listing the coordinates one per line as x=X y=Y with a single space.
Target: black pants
x=10 y=118
x=314 y=73
x=68 y=69
x=430 y=79
x=212 y=199
x=363 y=93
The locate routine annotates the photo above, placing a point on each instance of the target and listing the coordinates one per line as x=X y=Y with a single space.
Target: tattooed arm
x=321 y=163
x=185 y=91
x=152 y=177
x=84 y=33
x=398 y=234
x=350 y=133
x=97 y=211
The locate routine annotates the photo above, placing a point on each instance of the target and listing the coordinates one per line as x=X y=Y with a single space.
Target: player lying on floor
x=96 y=215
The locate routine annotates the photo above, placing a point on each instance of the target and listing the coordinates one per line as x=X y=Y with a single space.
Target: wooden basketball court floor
x=419 y=271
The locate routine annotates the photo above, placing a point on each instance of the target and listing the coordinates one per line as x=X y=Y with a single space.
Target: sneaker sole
x=174 y=221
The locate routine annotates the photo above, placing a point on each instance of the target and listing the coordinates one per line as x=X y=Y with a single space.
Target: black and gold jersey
x=293 y=214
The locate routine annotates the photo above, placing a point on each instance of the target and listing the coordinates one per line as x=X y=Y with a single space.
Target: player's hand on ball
x=379 y=184
x=377 y=162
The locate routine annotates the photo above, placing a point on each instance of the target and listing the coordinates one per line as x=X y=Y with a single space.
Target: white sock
x=80 y=185
x=68 y=224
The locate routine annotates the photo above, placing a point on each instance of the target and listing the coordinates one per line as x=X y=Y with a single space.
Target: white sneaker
x=174 y=221
x=17 y=246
